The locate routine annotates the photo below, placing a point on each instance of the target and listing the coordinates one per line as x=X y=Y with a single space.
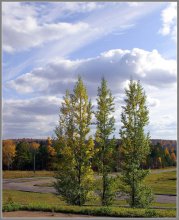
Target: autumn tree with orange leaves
x=173 y=157
x=9 y=150
x=51 y=152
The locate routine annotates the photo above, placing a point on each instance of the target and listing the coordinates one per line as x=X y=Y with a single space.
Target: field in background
x=50 y=200
x=10 y=174
x=161 y=183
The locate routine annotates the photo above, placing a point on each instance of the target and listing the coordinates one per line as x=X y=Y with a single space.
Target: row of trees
x=75 y=176
x=26 y=155
x=75 y=153
x=20 y=156
x=160 y=157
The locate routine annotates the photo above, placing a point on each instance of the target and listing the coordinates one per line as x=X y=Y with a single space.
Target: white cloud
x=28 y=25
x=152 y=102
x=133 y=4
x=157 y=75
x=35 y=117
x=59 y=29
x=117 y=66
x=169 y=19
x=22 y=30
x=52 y=11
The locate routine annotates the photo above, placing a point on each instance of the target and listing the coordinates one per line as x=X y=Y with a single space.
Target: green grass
x=164 y=205
x=96 y=211
x=10 y=174
x=162 y=183
x=48 y=199
x=154 y=204
x=165 y=168
x=54 y=204
x=27 y=198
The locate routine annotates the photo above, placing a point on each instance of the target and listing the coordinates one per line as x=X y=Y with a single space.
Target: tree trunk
x=104 y=190
x=34 y=163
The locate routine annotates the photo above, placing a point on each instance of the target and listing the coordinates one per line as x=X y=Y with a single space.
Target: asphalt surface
x=34 y=185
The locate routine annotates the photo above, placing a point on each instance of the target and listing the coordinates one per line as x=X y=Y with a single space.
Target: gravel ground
x=22 y=214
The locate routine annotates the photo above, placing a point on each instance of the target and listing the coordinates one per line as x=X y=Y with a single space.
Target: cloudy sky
x=47 y=45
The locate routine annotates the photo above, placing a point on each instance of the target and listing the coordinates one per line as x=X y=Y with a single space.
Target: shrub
x=150 y=213
x=10 y=205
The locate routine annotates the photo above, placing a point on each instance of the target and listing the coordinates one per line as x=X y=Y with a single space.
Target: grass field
x=49 y=199
x=162 y=183
x=17 y=200
x=10 y=174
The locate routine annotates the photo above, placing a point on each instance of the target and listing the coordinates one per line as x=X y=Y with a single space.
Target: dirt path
x=29 y=184
x=163 y=170
x=22 y=214
x=49 y=215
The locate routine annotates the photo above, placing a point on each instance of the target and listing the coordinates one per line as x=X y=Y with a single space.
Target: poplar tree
x=105 y=145
x=34 y=147
x=75 y=175
x=51 y=154
x=135 y=145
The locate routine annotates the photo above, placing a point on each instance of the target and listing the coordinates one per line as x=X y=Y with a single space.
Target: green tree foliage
x=23 y=158
x=105 y=145
x=42 y=157
x=160 y=157
x=135 y=146
x=75 y=175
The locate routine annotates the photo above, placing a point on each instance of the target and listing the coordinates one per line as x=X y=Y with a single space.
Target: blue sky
x=46 y=45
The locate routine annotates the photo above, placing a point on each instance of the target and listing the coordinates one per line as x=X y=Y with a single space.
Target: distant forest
x=21 y=154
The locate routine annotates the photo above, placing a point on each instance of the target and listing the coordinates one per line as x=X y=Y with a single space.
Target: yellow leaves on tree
x=51 y=150
x=159 y=162
x=9 y=150
x=49 y=141
x=35 y=146
x=167 y=151
x=173 y=156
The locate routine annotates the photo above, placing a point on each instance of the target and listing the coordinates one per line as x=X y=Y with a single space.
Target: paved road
x=163 y=170
x=31 y=185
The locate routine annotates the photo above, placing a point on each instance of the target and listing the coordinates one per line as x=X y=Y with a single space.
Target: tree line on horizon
x=74 y=156
x=20 y=155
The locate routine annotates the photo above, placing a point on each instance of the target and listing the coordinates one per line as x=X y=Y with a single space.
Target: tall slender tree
x=135 y=145
x=75 y=175
x=51 y=154
x=23 y=158
x=34 y=146
x=9 y=151
x=105 y=145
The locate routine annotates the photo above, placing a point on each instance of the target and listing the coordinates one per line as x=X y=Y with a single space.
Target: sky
x=46 y=45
